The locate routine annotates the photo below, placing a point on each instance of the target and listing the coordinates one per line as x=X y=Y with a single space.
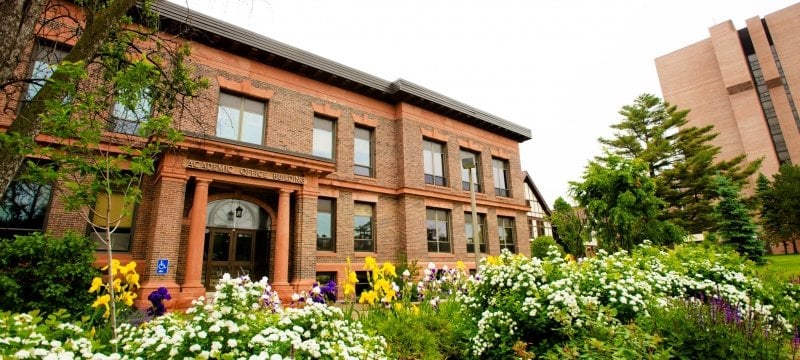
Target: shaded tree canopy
x=680 y=159
x=780 y=205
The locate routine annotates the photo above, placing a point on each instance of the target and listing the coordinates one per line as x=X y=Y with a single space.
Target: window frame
x=438 y=221
x=239 y=133
x=482 y=228
x=41 y=207
x=476 y=178
x=121 y=124
x=429 y=158
x=503 y=231
x=501 y=177
x=42 y=51
x=370 y=169
x=316 y=131
x=332 y=225
x=356 y=239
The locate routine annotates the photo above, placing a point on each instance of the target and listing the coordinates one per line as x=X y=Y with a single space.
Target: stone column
x=282 y=240
x=197 y=229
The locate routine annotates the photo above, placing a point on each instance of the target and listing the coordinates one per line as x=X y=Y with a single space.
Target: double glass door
x=228 y=251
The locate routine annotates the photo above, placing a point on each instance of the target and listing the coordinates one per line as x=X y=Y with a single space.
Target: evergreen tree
x=780 y=206
x=679 y=158
x=621 y=204
x=570 y=228
x=736 y=226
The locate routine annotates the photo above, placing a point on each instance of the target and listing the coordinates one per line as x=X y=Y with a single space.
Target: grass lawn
x=784 y=264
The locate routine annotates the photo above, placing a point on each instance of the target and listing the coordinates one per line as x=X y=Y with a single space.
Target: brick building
x=293 y=163
x=746 y=83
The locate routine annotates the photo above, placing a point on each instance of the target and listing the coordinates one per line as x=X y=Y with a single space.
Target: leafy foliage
x=680 y=159
x=621 y=204
x=541 y=246
x=780 y=205
x=572 y=232
x=736 y=226
x=47 y=273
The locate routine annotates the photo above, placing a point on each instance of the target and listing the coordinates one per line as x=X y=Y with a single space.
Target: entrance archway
x=236 y=242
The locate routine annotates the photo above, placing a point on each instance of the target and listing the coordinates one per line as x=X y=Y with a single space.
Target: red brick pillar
x=281 y=280
x=194 y=252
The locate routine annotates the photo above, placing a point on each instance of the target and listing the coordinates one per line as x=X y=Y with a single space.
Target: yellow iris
x=127 y=298
x=388 y=269
x=97 y=283
x=369 y=263
x=132 y=279
x=460 y=266
x=349 y=289
x=368 y=297
x=103 y=300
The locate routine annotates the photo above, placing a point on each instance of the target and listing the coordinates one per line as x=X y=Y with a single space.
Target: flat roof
x=205 y=29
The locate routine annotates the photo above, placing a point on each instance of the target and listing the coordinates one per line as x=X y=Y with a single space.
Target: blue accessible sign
x=162 y=266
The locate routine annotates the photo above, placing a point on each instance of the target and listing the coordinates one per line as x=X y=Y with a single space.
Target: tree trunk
x=17 y=22
x=27 y=126
x=794 y=245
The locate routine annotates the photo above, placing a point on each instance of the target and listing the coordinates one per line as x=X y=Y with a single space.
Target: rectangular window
x=363 y=283
x=468 y=230
x=434 y=162
x=241 y=119
x=127 y=116
x=326 y=238
x=45 y=58
x=505 y=232
x=363 y=227
x=476 y=179
x=540 y=228
x=111 y=212
x=501 y=180
x=438 y=229
x=23 y=208
x=324 y=277
x=323 y=138
x=362 y=152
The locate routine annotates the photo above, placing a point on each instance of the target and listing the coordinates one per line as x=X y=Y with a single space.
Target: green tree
x=571 y=229
x=679 y=158
x=107 y=120
x=780 y=206
x=621 y=204
x=736 y=226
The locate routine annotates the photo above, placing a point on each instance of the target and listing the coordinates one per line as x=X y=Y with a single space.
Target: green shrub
x=541 y=245
x=47 y=273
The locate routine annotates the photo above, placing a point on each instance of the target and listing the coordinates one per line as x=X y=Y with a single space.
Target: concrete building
x=293 y=163
x=745 y=82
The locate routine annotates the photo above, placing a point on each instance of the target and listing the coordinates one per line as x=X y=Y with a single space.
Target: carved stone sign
x=235 y=170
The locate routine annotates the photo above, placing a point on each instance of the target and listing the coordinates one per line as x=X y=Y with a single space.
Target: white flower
x=406 y=273
x=431 y=266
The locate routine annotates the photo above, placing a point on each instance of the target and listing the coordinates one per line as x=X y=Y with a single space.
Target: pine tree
x=736 y=226
x=571 y=230
x=780 y=205
x=680 y=159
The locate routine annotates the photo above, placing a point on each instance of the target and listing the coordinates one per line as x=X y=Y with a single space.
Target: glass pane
x=362 y=148
x=362 y=227
x=24 y=205
x=323 y=138
x=244 y=247
x=438 y=165
x=253 y=128
x=228 y=122
x=220 y=247
x=427 y=159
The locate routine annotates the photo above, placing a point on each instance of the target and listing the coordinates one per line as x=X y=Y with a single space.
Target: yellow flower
x=569 y=258
x=114 y=266
x=352 y=278
x=368 y=297
x=388 y=269
x=349 y=289
x=491 y=260
x=127 y=298
x=132 y=279
x=117 y=285
x=460 y=266
x=103 y=300
x=97 y=283
x=370 y=264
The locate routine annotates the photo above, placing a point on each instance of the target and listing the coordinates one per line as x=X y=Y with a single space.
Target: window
x=500 y=168
x=44 y=61
x=112 y=212
x=505 y=232
x=363 y=227
x=323 y=138
x=363 y=282
x=362 y=156
x=434 y=160
x=324 y=277
x=126 y=118
x=438 y=228
x=326 y=240
x=476 y=179
x=240 y=119
x=23 y=209
x=468 y=230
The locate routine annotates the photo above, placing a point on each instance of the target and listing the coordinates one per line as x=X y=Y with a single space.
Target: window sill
x=326 y=253
x=441 y=255
x=363 y=254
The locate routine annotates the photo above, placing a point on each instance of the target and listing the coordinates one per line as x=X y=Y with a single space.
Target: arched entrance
x=236 y=242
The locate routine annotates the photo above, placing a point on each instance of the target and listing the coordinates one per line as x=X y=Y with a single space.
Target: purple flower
x=157 y=298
